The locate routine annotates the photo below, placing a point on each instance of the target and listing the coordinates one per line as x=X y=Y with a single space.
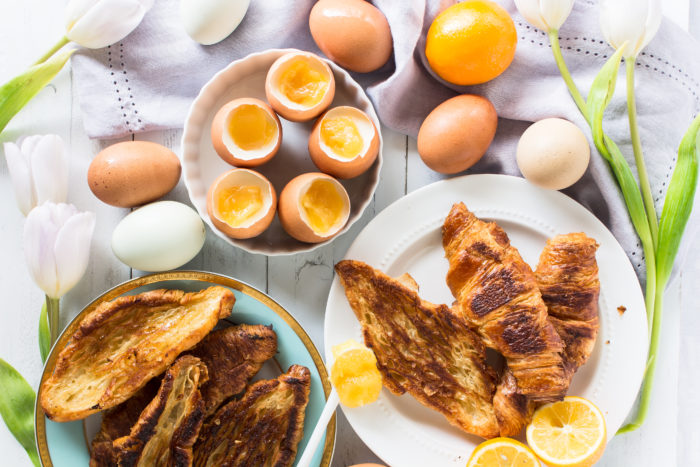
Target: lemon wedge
x=503 y=452
x=568 y=433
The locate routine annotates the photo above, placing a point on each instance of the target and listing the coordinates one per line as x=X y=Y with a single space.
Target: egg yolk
x=238 y=204
x=302 y=84
x=322 y=205
x=341 y=135
x=355 y=375
x=251 y=127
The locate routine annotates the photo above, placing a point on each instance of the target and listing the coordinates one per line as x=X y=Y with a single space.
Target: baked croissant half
x=497 y=293
x=567 y=276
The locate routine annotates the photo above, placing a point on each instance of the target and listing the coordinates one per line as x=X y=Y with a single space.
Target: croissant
x=497 y=293
x=567 y=276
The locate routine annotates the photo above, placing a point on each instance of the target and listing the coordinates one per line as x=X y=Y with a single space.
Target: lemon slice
x=503 y=452
x=568 y=433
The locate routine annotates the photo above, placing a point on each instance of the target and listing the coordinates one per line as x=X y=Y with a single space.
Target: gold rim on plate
x=111 y=294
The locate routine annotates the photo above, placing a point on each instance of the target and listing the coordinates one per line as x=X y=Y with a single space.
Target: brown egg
x=344 y=142
x=246 y=132
x=313 y=207
x=241 y=203
x=132 y=173
x=457 y=133
x=299 y=86
x=352 y=33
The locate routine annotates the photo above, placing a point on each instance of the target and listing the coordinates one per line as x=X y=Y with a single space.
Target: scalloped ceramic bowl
x=201 y=165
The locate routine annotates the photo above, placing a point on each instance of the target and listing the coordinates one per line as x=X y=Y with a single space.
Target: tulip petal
x=555 y=12
x=624 y=21
x=105 y=22
x=39 y=239
x=653 y=23
x=72 y=250
x=530 y=10
x=20 y=173
x=50 y=170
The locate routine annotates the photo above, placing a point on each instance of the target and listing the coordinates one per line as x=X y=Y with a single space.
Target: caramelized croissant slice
x=233 y=355
x=262 y=428
x=421 y=348
x=497 y=293
x=169 y=425
x=567 y=276
x=117 y=422
x=124 y=343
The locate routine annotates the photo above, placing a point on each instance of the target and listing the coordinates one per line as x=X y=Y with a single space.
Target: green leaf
x=17 y=408
x=599 y=97
x=18 y=91
x=44 y=334
x=679 y=201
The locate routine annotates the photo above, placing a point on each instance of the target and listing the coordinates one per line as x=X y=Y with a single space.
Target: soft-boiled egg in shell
x=344 y=142
x=313 y=207
x=246 y=132
x=299 y=86
x=241 y=203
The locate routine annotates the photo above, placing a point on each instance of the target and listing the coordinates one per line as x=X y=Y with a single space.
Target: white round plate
x=406 y=237
x=201 y=164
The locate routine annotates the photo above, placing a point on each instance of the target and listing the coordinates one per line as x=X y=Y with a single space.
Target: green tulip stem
x=564 y=70
x=652 y=360
x=52 y=307
x=58 y=46
x=639 y=156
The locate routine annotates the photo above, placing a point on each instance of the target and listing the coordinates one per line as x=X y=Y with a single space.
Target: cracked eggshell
x=288 y=109
x=257 y=224
x=224 y=144
x=291 y=213
x=325 y=158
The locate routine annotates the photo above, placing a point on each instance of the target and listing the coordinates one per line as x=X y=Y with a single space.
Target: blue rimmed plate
x=67 y=444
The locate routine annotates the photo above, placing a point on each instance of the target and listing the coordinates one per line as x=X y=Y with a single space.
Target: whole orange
x=471 y=42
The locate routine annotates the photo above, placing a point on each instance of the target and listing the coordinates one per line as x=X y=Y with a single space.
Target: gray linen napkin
x=148 y=81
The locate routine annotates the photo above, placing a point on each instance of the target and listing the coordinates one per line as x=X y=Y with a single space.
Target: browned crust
x=233 y=355
x=498 y=294
x=262 y=428
x=422 y=348
x=567 y=275
x=149 y=428
x=95 y=372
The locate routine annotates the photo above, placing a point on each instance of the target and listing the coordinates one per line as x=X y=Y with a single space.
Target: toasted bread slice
x=122 y=344
x=262 y=428
x=498 y=294
x=168 y=427
x=233 y=355
x=423 y=349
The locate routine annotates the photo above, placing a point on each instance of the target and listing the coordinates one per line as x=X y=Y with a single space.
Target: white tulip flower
x=38 y=167
x=98 y=23
x=57 y=246
x=634 y=22
x=547 y=15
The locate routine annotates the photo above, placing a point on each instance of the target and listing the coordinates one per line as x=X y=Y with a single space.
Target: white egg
x=159 y=236
x=553 y=153
x=211 y=21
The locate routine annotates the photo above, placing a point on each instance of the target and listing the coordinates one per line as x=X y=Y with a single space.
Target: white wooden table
x=300 y=283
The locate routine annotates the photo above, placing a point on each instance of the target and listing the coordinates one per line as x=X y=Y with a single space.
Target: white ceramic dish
x=406 y=237
x=201 y=164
